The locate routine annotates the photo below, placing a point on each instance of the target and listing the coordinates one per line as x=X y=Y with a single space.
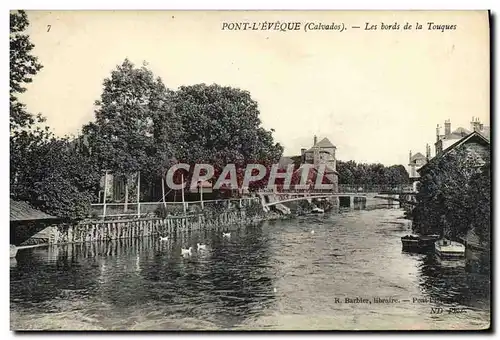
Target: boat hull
x=418 y=243
x=449 y=250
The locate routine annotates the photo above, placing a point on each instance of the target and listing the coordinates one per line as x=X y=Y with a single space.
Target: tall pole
x=138 y=193
x=201 y=195
x=182 y=192
x=163 y=191
x=105 y=193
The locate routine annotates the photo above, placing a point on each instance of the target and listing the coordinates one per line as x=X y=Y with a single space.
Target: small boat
x=13 y=251
x=317 y=210
x=418 y=243
x=447 y=249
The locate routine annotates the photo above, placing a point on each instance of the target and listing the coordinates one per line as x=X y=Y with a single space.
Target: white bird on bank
x=186 y=252
x=201 y=246
x=163 y=238
x=227 y=235
x=312 y=232
x=275 y=290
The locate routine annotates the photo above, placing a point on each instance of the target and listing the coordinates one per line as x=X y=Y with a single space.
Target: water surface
x=274 y=276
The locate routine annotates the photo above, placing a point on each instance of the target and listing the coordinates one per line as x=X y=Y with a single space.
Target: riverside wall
x=98 y=231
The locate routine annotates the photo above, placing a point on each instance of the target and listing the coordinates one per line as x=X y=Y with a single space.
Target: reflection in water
x=274 y=276
x=448 y=281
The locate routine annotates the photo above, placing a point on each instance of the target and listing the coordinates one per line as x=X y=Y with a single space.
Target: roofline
x=48 y=220
x=453 y=146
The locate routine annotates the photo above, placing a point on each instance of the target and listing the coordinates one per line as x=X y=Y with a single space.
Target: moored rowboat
x=449 y=249
x=418 y=243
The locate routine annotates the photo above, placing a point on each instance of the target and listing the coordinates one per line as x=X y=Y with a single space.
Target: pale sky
x=375 y=94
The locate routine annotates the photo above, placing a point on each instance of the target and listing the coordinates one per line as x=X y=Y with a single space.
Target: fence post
x=138 y=193
x=105 y=192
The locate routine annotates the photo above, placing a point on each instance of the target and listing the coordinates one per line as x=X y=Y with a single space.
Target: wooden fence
x=152 y=209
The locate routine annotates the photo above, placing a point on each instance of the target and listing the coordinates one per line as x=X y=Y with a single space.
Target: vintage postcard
x=250 y=170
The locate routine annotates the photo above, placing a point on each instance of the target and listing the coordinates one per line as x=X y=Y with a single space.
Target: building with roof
x=322 y=152
x=27 y=223
x=415 y=162
x=475 y=143
x=444 y=141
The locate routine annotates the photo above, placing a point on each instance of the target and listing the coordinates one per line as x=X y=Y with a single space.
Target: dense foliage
x=124 y=137
x=47 y=172
x=142 y=126
x=454 y=196
x=58 y=179
x=221 y=125
x=23 y=66
x=371 y=174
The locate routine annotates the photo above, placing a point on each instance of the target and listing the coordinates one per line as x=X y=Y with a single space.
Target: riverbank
x=477 y=255
x=99 y=231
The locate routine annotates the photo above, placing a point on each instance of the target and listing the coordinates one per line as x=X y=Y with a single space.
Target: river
x=277 y=275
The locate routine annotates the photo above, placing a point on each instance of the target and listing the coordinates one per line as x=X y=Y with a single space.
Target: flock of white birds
x=199 y=246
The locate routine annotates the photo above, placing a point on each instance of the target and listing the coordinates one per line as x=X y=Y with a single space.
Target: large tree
x=448 y=201
x=58 y=179
x=24 y=131
x=23 y=66
x=133 y=128
x=480 y=201
x=221 y=125
x=48 y=172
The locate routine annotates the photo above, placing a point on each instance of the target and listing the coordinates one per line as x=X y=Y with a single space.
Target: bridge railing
x=345 y=188
x=374 y=188
x=292 y=189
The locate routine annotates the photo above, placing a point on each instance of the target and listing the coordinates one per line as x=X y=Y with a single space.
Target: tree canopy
x=454 y=196
x=221 y=125
x=354 y=173
x=23 y=66
x=58 y=179
x=141 y=125
x=45 y=171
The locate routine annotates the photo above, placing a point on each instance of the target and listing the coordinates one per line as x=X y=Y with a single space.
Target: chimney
x=475 y=124
x=409 y=158
x=447 y=127
x=315 y=140
x=302 y=151
x=427 y=151
x=437 y=133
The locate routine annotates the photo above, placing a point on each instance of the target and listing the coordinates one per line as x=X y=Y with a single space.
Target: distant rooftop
x=457 y=134
x=22 y=211
x=324 y=143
